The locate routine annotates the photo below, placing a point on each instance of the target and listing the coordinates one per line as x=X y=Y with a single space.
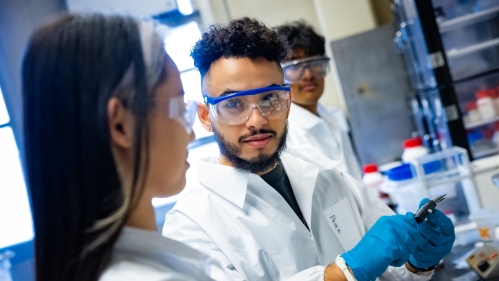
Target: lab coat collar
x=232 y=184
x=302 y=117
x=226 y=181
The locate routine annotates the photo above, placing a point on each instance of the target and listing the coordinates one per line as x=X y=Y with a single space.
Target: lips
x=309 y=86
x=258 y=141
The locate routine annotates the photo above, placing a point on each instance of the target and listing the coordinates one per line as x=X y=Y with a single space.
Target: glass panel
x=4 y=116
x=178 y=43
x=15 y=215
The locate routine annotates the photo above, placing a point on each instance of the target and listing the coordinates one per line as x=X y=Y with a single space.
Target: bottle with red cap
x=472 y=115
x=485 y=105
x=372 y=178
x=413 y=149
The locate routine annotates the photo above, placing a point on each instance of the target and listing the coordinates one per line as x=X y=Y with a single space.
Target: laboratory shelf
x=484 y=153
x=480 y=123
x=455 y=53
x=468 y=19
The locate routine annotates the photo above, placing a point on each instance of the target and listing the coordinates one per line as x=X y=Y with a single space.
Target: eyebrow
x=229 y=91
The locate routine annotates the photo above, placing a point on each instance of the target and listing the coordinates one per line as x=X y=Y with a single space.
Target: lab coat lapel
x=302 y=177
x=318 y=126
x=227 y=181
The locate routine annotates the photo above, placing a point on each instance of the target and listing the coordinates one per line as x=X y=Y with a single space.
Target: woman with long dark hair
x=106 y=130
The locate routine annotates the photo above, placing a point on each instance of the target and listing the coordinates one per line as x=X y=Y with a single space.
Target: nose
x=307 y=75
x=256 y=119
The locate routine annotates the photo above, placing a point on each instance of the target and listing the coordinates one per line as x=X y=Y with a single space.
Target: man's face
x=308 y=90
x=255 y=144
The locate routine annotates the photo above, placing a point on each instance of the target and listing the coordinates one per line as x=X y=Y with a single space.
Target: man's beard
x=260 y=163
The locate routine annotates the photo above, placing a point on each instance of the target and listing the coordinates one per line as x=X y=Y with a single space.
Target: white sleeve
x=402 y=273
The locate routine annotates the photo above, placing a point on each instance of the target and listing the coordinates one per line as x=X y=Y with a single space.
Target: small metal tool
x=427 y=208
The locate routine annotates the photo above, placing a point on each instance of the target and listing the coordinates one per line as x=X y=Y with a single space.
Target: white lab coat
x=146 y=255
x=327 y=133
x=240 y=220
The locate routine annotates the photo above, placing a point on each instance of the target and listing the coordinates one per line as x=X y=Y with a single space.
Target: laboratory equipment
x=451 y=50
x=485 y=261
x=427 y=208
x=443 y=172
x=413 y=148
x=486 y=221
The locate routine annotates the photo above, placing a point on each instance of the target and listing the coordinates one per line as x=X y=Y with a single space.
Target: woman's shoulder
x=128 y=270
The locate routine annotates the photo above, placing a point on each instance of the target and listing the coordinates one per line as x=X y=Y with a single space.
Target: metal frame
x=442 y=74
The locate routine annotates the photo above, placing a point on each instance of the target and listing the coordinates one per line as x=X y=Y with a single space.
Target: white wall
x=334 y=19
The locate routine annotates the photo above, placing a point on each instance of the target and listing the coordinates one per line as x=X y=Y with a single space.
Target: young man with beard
x=267 y=213
x=311 y=123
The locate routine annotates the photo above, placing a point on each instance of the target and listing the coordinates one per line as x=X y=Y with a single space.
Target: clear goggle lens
x=238 y=109
x=295 y=71
x=182 y=111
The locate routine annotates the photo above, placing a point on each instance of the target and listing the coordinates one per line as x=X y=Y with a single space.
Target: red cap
x=494 y=93
x=370 y=168
x=413 y=143
x=471 y=106
x=482 y=94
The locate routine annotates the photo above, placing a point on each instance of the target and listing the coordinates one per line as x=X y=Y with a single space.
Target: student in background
x=310 y=123
x=106 y=130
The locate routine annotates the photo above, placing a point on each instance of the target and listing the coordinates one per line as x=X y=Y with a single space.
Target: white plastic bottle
x=485 y=105
x=413 y=149
x=473 y=115
x=372 y=178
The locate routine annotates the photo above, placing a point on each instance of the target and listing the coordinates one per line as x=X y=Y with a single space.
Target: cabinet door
x=376 y=89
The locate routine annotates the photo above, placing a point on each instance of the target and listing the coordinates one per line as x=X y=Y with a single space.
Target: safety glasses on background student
x=294 y=71
x=235 y=108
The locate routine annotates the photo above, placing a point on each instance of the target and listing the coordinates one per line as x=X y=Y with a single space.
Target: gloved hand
x=436 y=237
x=390 y=241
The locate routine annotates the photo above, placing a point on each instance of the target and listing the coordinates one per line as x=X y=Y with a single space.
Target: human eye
x=233 y=104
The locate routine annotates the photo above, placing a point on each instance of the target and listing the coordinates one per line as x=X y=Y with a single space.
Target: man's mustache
x=257 y=132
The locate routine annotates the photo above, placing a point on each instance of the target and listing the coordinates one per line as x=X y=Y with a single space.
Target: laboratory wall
x=18 y=18
x=333 y=19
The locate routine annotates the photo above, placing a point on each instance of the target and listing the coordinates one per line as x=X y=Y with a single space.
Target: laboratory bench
x=449 y=272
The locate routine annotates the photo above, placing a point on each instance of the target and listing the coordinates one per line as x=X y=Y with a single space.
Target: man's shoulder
x=309 y=155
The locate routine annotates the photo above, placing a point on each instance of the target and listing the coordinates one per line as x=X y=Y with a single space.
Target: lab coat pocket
x=342 y=223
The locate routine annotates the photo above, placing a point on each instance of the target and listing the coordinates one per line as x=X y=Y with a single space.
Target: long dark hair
x=71 y=69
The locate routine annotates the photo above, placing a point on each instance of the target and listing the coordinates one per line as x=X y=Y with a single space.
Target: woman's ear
x=120 y=123
x=204 y=116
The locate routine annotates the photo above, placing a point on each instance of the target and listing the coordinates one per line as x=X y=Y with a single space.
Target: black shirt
x=278 y=179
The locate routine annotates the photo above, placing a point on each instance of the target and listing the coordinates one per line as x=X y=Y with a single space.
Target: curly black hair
x=302 y=36
x=240 y=38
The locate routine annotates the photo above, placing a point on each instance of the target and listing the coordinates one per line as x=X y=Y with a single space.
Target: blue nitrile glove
x=436 y=237
x=390 y=241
